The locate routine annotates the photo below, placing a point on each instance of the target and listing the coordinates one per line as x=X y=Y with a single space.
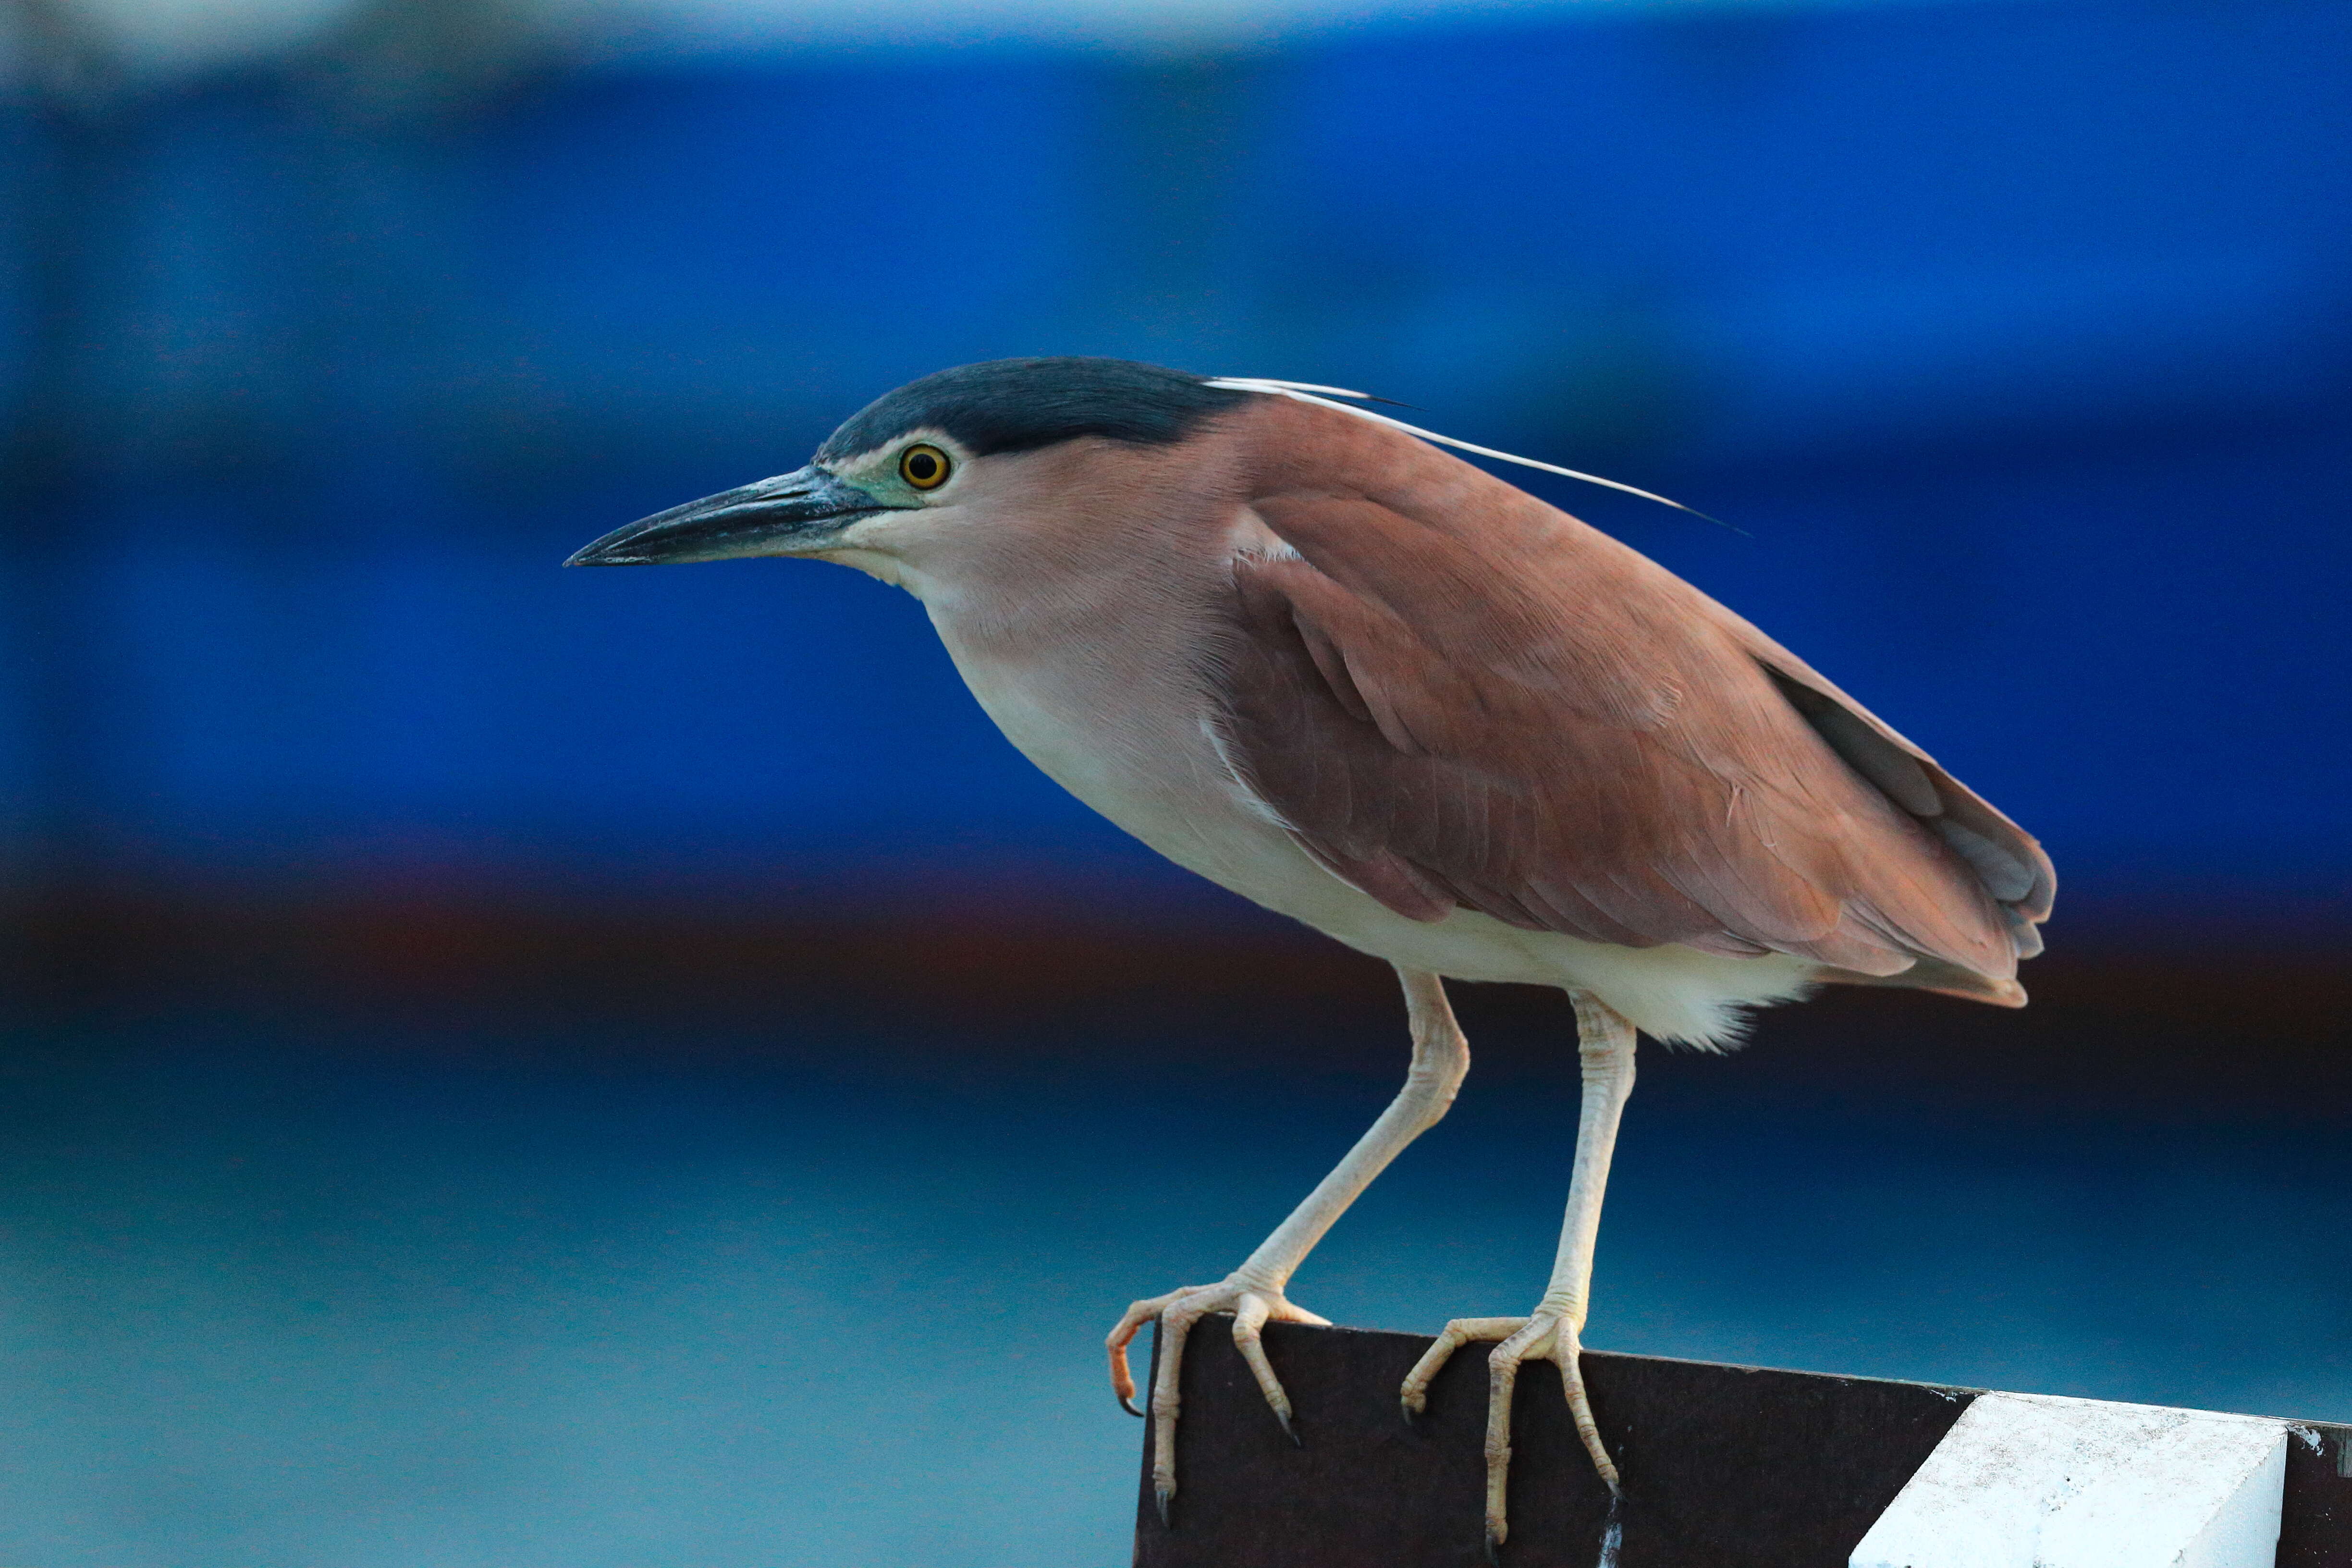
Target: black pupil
x=922 y=468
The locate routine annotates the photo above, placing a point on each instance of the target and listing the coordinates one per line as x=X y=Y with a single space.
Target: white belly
x=1137 y=750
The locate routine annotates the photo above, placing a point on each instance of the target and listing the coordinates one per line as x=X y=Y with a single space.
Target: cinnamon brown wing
x=1453 y=695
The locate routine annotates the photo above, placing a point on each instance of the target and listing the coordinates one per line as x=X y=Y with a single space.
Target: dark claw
x=1296 y=1441
x=1411 y=1421
x=1494 y=1553
x=1163 y=1495
x=1129 y=1408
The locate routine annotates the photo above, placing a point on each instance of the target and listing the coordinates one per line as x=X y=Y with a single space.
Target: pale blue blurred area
x=318 y=1298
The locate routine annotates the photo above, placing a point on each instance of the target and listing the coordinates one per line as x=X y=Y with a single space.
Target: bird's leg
x=1605 y=1044
x=1253 y=1292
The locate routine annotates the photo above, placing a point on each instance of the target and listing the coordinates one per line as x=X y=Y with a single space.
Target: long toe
x=1502 y=1384
x=1415 y=1395
x=1167 y=1402
x=1547 y=1336
x=1130 y=1323
x=1252 y=1306
x=1250 y=1315
x=1568 y=1354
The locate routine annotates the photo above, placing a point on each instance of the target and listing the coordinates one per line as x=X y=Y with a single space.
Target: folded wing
x=1456 y=696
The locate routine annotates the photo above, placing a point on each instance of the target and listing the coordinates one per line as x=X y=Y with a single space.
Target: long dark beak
x=783 y=516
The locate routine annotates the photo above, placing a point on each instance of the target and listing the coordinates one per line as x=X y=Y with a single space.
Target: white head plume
x=1321 y=397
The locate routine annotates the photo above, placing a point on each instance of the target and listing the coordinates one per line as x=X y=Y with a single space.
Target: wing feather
x=1456 y=695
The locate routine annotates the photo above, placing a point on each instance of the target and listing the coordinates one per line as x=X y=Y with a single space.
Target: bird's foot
x=1550 y=1335
x=1252 y=1305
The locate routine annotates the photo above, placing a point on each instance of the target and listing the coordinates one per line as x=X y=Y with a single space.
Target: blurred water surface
x=323 y=1297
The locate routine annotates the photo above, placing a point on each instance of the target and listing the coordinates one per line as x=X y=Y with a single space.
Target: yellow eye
x=923 y=466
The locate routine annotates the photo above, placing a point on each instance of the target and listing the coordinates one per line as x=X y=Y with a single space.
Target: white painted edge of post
x=2026 y=1480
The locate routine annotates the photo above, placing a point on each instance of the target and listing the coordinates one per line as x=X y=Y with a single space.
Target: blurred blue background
x=465 y=1105
x=2016 y=336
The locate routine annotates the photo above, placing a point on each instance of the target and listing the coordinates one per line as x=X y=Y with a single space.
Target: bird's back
x=1456 y=695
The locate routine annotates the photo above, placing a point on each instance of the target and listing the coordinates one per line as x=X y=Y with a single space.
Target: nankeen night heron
x=1291 y=644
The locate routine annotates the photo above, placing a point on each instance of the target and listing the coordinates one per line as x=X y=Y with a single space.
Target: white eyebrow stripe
x=1305 y=393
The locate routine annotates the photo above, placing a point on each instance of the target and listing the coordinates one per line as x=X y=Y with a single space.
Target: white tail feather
x=1307 y=393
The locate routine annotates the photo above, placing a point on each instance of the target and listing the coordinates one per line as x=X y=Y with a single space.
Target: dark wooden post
x=1725 y=1467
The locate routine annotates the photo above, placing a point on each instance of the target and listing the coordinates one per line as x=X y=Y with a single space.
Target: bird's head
x=954 y=451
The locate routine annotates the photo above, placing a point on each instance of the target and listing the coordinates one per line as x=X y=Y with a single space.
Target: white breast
x=1116 y=716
